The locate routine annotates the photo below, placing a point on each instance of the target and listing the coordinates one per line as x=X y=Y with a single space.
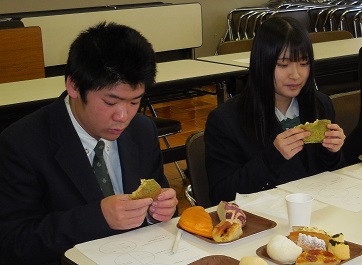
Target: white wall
x=214 y=13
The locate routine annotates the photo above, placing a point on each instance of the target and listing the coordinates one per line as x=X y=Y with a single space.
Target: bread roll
x=226 y=231
x=250 y=260
x=283 y=250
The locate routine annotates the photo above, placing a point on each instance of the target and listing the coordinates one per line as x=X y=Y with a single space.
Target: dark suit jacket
x=352 y=147
x=50 y=198
x=235 y=163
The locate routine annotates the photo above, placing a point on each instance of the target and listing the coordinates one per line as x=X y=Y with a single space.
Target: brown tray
x=254 y=225
x=216 y=260
x=355 y=251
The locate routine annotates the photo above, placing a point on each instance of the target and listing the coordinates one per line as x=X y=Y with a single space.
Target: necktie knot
x=99 y=148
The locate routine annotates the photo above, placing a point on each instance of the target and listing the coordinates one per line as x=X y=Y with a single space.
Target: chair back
x=21 y=54
x=352 y=147
x=235 y=46
x=347 y=106
x=324 y=36
x=195 y=159
x=10 y=24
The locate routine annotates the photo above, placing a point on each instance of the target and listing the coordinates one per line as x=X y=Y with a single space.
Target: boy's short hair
x=109 y=54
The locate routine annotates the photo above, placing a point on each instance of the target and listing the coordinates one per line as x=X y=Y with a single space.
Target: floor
x=192 y=113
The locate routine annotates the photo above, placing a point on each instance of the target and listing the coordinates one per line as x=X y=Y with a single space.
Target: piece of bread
x=307 y=242
x=317 y=257
x=338 y=247
x=232 y=212
x=283 y=250
x=251 y=260
x=149 y=188
x=311 y=231
x=197 y=221
x=317 y=129
x=227 y=231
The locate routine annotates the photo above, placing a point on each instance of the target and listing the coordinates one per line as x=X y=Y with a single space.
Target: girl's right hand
x=290 y=142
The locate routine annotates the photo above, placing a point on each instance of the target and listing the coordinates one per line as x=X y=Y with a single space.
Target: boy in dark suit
x=50 y=196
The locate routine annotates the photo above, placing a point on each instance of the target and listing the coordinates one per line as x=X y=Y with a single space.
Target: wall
x=214 y=13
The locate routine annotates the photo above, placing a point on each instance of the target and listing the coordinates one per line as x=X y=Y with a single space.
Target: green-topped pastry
x=149 y=188
x=317 y=128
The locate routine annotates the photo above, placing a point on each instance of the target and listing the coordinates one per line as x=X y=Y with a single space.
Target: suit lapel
x=70 y=153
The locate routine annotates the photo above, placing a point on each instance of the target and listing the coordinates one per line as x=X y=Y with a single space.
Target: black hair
x=109 y=54
x=272 y=39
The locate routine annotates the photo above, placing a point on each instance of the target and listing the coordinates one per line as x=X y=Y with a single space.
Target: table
x=322 y=51
x=173 y=75
x=18 y=99
x=336 y=64
x=329 y=218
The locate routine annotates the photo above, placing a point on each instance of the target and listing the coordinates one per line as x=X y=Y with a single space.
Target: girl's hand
x=334 y=139
x=290 y=142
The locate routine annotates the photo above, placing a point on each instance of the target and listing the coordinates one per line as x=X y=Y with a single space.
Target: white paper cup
x=299 y=206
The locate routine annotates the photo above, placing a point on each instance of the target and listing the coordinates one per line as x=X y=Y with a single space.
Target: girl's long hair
x=257 y=101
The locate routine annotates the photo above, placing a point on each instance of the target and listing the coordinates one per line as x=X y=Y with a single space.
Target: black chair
x=352 y=147
x=166 y=127
x=11 y=24
x=197 y=192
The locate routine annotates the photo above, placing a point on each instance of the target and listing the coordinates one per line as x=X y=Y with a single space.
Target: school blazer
x=236 y=164
x=50 y=198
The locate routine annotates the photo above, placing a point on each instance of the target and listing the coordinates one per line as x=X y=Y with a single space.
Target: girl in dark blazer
x=251 y=144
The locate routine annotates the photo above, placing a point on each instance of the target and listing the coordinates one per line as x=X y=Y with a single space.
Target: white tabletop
x=323 y=50
x=329 y=218
x=31 y=90
x=186 y=71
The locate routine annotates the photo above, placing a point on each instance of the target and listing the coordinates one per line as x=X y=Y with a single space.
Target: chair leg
x=182 y=173
x=189 y=195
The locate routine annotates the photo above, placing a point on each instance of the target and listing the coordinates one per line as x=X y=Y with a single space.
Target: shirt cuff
x=150 y=219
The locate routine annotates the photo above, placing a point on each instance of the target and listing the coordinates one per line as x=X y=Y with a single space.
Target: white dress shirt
x=110 y=152
x=292 y=111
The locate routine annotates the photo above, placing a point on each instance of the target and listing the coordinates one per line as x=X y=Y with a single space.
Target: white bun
x=283 y=250
x=250 y=260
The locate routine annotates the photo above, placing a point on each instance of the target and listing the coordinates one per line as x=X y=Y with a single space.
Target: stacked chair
x=317 y=15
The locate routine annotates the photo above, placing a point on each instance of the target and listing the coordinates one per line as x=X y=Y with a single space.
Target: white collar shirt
x=111 y=155
x=292 y=111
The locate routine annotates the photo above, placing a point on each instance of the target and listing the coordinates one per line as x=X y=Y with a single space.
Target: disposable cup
x=299 y=206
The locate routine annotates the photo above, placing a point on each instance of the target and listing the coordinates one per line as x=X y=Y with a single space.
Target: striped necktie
x=101 y=171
